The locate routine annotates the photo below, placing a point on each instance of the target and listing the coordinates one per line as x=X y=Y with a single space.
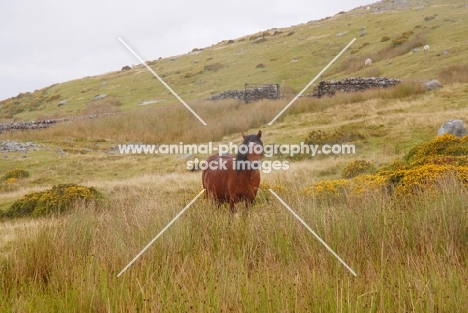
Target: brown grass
x=162 y=125
x=454 y=74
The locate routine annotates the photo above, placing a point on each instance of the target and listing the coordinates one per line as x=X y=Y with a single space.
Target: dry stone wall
x=249 y=94
x=353 y=84
x=46 y=123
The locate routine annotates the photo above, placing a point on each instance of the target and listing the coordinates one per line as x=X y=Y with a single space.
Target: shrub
x=327 y=189
x=402 y=38
x=385 y=38
x=445 y=145
x=414 y=181
x=358 y=167
x=420 y=170
x=16 y=174
x=364 y=45
x=59 y=199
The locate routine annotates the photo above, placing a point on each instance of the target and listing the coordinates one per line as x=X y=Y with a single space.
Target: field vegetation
x=75 y=212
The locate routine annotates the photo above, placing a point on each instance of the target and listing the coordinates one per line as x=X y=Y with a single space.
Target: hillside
x=387 y=33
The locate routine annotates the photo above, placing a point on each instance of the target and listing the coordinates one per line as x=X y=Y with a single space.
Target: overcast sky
x=43 y=42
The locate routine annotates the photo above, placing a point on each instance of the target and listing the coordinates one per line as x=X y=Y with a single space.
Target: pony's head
x=251 y=149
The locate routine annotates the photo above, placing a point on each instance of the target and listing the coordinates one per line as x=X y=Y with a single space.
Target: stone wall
x=353 y=84
x=256 y=92
x=229 y=94
x=46 y=123
x=250 y=93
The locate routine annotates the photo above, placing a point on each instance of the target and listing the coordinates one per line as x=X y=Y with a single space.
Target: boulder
x=432 y=84
x=99 y=97
x=454 y=127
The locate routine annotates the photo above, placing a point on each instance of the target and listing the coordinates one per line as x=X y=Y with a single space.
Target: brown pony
x=235 y=178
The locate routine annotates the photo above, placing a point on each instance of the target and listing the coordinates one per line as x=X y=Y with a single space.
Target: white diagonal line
x=160 y=233
x=311 y=82
x=313 y=233
x=162 y=81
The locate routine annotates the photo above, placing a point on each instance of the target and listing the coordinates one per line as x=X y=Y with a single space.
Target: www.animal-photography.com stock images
x=268 y=156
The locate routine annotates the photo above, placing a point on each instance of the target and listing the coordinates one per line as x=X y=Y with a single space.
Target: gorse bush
x=358 y=167
x=446 y=145
x=421 y=169
x=424 y=178
x=59 y=199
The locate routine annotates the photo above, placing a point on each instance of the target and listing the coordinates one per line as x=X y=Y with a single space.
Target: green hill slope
x=387 y=33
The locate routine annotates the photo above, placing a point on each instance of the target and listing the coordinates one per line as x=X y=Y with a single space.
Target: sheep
x=368 y=62
x=426 y=48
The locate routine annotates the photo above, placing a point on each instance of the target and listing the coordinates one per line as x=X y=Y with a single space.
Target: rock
x=416 y=50
x=63 y=102
x=99 y=97
x=432 y=84
x=13 y=146
x=126 y=68
x=363 y=34
x=454 y=127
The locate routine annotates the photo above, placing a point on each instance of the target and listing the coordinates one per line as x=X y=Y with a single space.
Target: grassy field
x=409 y=252
x=409 y=256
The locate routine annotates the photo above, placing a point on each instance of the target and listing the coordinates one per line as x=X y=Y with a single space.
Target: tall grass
x=174 y=123
x=409 y=256
x=454 y=74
